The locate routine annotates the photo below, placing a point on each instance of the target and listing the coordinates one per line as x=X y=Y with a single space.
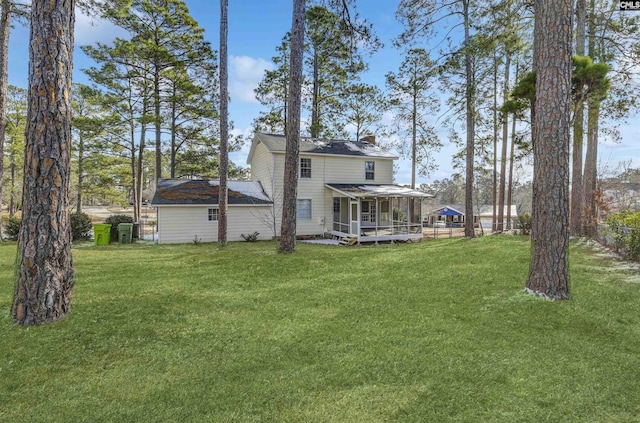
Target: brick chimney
x=371 y=139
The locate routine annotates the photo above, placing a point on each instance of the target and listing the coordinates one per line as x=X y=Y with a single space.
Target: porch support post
x=377 y=217
x=410 y=205
x=421 y=215
x=393 y=225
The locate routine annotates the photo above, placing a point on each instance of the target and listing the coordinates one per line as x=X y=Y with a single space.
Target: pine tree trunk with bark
x=549 y=269
x=80 y=173
x=505 y=141
x=157 y=119
x=469 y=227
x=590 y=177
x=511 y=160
x=45 y=274
x=223 y=192
x=494 y=215
x=315 y=103
x=575 y=225
x=590 y=180
x=5 y=31
x=290 y=194
x=414 y=140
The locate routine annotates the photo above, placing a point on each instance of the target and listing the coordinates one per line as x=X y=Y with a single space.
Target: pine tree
x=224 y=127
x=411 y=94
x=45 y=272
x=420 y=20
x=549 y=269
x=166 y=36
x=290 y=194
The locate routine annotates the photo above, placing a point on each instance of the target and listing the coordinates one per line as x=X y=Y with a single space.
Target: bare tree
x=292 y=133
x=45 y=273
x=549 y=269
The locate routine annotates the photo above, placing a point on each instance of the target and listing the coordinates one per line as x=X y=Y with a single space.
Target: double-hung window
x=212 y=215
x=303 y=210
x=370 y=171
x=305 y=168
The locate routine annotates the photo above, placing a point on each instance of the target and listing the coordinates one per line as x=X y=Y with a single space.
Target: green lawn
x=431 y=332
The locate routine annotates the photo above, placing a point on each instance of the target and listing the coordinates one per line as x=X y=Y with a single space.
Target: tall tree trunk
x=224 y=128
x=12 y=205
x=290 y=194
x=549 y=269
x=414 y=140
x=469 y=230
x=174 y=148
x=45 y=273
x=512 y=154
x=590 y=177
x=575 y=225
x=141 y=147
x=505 y=141
x=5 y=31
x=80 y=173
x=494 y=215
x=157 y=119
x=511 y=160
x=140 y=164
x=315 y=106
x=134 y=184
x=590 y=222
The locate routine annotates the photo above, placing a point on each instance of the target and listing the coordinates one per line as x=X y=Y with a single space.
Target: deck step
x=348 y=240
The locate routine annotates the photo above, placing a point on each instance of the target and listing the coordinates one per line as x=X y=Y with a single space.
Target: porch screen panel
x=385 y=218
x=368 y=212
x=344 y=211
x=337 y=212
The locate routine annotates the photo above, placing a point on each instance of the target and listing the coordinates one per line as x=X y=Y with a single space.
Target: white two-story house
x=345 y=189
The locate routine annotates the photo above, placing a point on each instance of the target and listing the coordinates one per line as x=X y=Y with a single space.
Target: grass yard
x=439 y=331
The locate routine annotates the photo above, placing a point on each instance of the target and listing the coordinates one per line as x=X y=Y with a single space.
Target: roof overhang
x=376 y=190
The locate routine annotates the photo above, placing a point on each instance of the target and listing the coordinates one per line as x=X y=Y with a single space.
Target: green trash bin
x=101 y=234
x=125 y=230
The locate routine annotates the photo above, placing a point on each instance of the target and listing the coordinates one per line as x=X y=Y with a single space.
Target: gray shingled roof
x=205 y=192
x=277 y=144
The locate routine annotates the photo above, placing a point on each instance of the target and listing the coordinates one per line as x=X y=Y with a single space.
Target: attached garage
x=188 y=210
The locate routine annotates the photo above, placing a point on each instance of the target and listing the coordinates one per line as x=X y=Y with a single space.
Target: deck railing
x=395 y=227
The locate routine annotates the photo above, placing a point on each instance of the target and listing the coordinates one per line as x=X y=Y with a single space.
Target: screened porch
x=376 y=213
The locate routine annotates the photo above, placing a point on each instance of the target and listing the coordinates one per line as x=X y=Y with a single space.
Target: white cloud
x=244 y=75
x=91 y=30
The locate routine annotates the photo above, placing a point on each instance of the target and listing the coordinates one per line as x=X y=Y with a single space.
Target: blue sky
x=255 y=29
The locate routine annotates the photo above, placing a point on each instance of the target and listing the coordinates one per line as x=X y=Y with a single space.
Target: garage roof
x=206 y=192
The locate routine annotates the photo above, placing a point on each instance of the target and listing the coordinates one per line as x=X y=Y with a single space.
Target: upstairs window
x=369 y=171
x=305 y=168
x=213 y=215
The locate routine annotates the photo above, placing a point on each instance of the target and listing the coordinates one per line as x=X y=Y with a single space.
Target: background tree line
x=155 y=93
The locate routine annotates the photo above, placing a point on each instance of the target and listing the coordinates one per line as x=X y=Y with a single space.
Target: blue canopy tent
x=449 y=216
x=449 y=212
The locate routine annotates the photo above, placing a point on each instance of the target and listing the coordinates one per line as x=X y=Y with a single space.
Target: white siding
x=261 y=163
x=183 y=223
x=350 y=170
x=268 y=168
